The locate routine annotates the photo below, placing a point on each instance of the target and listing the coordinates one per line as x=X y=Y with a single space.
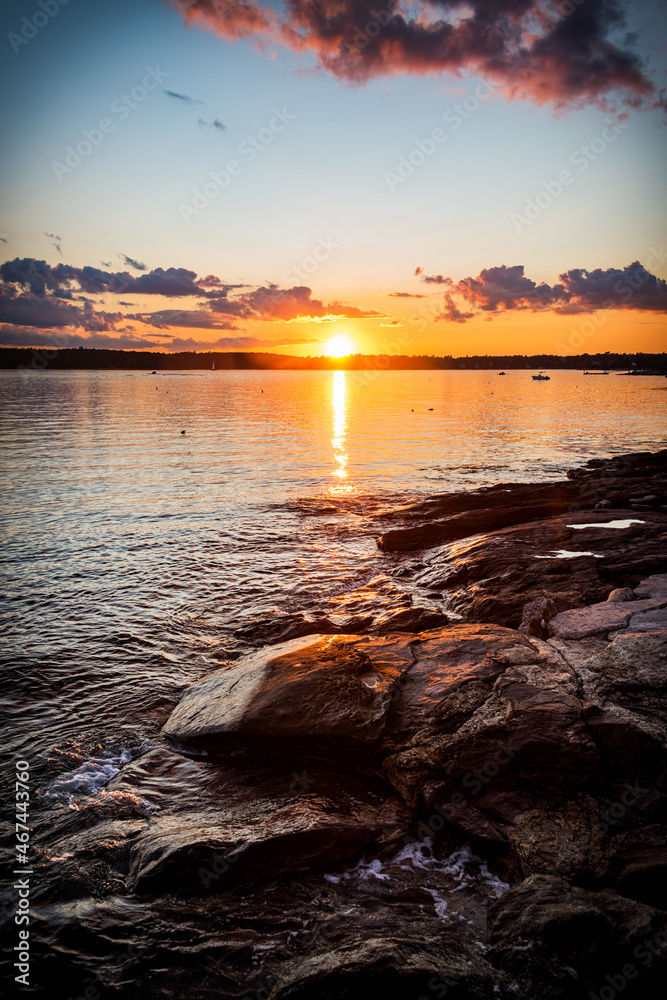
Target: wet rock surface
x=570 y=554
x=460 y=515
x=470 y=810
x=326 y=693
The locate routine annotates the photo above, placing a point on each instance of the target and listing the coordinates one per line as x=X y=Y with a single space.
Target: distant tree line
x=89 y=359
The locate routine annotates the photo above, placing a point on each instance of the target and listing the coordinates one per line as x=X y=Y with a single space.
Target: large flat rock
x=481 y=703
x=630 y=671
x=319 y=691
x=649 y=621
x=601 y=619
x=654 y=586
x=454 y=672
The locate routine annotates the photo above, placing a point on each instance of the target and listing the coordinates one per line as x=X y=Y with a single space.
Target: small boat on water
x=213 y=367
x=541 y=378
x=596 y=373
x=502 y=373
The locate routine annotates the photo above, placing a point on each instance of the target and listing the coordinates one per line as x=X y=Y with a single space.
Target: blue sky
x=327 y=175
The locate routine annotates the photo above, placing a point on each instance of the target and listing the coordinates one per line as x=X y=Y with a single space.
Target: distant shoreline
x=103 y=359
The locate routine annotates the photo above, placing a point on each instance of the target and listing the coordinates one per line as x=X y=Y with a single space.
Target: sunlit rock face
x=318 y=691
x=601 y=619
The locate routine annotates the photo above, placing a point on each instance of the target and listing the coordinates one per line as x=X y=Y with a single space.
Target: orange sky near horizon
x=503 y=333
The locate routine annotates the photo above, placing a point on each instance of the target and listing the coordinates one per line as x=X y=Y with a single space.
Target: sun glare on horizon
x=339 y=346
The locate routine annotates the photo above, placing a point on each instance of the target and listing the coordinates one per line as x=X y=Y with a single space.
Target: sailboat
x=213 y=367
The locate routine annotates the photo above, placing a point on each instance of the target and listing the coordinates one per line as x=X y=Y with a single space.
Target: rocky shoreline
x=469 y=802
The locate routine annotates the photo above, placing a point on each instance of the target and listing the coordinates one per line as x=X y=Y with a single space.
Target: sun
x=339 y=346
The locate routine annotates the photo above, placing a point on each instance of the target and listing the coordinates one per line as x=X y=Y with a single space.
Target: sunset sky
x=423 y=177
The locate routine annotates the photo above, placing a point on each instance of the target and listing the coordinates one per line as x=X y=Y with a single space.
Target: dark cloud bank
x=504 y=289
x=568 y=52
x=36 y=296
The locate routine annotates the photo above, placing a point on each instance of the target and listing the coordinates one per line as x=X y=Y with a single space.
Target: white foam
x=462 y=866
x=456 y=865
x=87 y=779
x=493 y=882
x=419 y=854
x=362 y=871
x=608 y=524
x=370 y=869
x=439 y=904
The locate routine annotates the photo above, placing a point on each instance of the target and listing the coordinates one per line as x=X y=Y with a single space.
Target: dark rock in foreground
x=546 y=929
x=320 y=692
x=475 y=811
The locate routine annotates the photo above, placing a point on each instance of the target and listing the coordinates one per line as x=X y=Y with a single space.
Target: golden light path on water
x=338 y=441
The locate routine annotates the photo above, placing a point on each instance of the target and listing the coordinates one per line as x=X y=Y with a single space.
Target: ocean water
x=137 y=557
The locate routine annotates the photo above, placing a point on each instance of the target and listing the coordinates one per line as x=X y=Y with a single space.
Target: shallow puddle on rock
x=566 y=554
x=609 y=524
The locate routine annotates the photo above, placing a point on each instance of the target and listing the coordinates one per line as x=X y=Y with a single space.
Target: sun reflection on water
x=338 y=441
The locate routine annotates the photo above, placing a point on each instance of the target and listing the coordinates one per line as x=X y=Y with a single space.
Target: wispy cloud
x=216 y=124
x=232 y=344
x=166 y=318
x=26 y=337
x=137 y=265
x=38 y=295
x=271 y=302
x=56 y=242
x=182 y=97
x=11 y=336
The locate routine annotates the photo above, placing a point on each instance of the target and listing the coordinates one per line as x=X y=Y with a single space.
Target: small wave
x=88 y=779
x=462 y=866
